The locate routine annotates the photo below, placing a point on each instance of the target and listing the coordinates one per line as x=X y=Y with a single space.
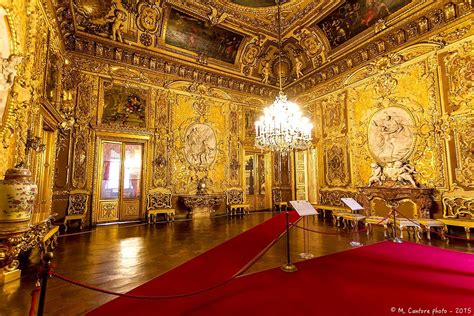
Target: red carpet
x=211 y=267
x=374 y=280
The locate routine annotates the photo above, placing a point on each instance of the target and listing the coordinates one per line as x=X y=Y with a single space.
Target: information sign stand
x=305 y=209
x=355 y=207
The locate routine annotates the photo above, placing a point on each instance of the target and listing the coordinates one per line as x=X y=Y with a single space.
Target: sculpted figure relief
x=405 y=173
x=200 y=145
x=377 y=174
x=298 y=67
x=390 y=135
x=8 y=71
x=251 y=54
x=401 y=173
x=266 y=72
x=312 y=46
x=118 y=20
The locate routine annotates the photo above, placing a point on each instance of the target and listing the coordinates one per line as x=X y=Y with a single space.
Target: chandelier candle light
x=283 y=128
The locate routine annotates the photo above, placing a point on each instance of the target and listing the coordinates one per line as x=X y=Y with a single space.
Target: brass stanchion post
x=395 y=237
x=46 y=258
x=288 y=267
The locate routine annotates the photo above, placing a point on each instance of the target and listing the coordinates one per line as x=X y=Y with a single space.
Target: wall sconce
x=67 y=112
x=160 y=161
x=33 y=143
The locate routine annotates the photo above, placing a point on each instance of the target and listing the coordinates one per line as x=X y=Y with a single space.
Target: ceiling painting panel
x=355 y=16
x=255 y=3
x=198 y=36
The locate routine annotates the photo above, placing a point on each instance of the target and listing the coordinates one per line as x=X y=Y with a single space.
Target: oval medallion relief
x=391 y=134
x=200 y=145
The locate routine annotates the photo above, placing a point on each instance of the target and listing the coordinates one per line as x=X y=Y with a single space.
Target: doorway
x=256 y=181
x=120 y=181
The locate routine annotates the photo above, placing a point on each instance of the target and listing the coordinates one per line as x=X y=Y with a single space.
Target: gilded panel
x=160 y=177
x=334 y=118
x=416 y=102
x=189 y=166
x=459 y=73
x=108 y=211
x=336 y=161
x=464 y=145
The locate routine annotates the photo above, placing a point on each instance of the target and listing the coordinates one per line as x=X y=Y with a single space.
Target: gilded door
x=301 y=171
x=45 y=177
x=120 y=184
x=256 y=181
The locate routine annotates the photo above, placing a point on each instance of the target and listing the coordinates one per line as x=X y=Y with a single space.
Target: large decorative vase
x=17 y=197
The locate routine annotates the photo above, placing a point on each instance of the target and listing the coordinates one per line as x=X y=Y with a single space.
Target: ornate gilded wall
x=173 y=109
x=431 y=82
x=35 y=102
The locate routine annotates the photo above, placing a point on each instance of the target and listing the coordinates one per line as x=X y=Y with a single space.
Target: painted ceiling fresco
x=232 y=37
x=187 y=32
x=255 y=3
x=355 y=16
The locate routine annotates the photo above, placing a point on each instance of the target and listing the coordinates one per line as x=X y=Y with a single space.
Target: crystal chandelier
x=282 y=127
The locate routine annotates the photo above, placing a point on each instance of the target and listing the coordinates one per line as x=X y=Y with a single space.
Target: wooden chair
x=159 y=202
x=234 y=199
x=277 y=200
x=78 y=206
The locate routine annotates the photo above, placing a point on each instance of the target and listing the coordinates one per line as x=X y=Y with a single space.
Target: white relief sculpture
x=390 y=135
x=377 y=174
x=200 y=145
x=8 y=71
x=398 y=172
x=405 y=173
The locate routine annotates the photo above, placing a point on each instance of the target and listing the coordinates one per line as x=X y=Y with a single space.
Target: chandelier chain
x=282 y=127
x=279 y=44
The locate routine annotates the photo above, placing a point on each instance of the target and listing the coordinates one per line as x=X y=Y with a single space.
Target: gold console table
x=42 y=234
x=421 y=197
x=202 y=205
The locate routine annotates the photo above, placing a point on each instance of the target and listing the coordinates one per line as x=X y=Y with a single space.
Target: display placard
x=303 y=208
x=352 y=204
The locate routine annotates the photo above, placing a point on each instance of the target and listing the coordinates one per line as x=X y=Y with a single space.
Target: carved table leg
x=428 y=232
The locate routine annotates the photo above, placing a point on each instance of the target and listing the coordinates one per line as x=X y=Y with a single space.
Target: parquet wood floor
x=121 y=257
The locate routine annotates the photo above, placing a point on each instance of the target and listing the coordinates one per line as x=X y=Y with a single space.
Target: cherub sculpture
x=377 y=174
x=118 y=20
x=8 y=71
x=405 y=173
x=298 y=67
x=266 y=72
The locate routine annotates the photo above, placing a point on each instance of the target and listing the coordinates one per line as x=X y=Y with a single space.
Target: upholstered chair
x=278 y=204
x=159 y=202
x=78 y=206
x=235 y=203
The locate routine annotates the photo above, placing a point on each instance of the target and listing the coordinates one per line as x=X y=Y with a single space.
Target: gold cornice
x=174 y=68
x=116 y=71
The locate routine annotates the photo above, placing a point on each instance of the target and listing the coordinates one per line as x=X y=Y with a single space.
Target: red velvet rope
x=162 y=297
x=34 y=300
x=337 y=233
